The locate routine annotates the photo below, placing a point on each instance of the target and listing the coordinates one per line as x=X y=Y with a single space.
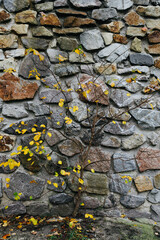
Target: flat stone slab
x=148 y=159
x=104 y=14
x=120 y=4
x=92 y=40
x=60 y=198
x=154 y=196
x=129 y=201
x=24 y=187
x=86 y=4
x=143 y=183
x=141 y=59
x=117 y=128
x=124 y=162
x=14 y=209
x=119 y=184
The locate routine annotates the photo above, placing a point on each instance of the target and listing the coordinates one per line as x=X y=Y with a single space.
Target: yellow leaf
x=151 y=106
x=89 y=161
x=55 y=185
x=113 y=122
x=42 y=125
x=106 y=92
x=43 y=97
x=61 y=102
x=80 y=181
x=58 y=123
x=49 y=134
x=6 y=207
x=49 y=158
x=77 y=51
x=7 y=185
x=82 y=204
x=34 y=221
x=19 y=148
x=24 y=131
x=124 y=122
x=75 y=108
x=61 y=58
x=14 y=153
x=60 y=162
x=128 y=94
x=49 y=182
x=8 y=180
x=112 y=84
x=33 y=129
x=1 y=137
x=92 y=170
x=68 y=120
x=128 y=80
x=88 y=215
x=31 y=143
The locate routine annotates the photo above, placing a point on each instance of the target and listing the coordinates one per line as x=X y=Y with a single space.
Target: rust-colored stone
x=13 y=88
x=120 y=38
x=154 y=37
x=157 y=63
x=71 y=12
x=77 y=22
x=4 y=16
x=114 y=27
x=132 y=18
x=93 y=90
x=6 y=142
x=143 y=183
x=148 y=159
x=50 y=19
x=100 y=161
x=154 y=49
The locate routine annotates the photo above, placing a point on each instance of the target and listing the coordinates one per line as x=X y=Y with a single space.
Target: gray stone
x=104 y=14
x=4 y=160
x=90 y=202
x=136 y=45
x=45 y=7
x=153 y=138
x=86 y=4
x=64 y=70
x=15 y=6
x=92 y=40
x=32 y=61
x=135 y=32
x=14 y=209
x=121 y=98
x=81 y=114
x=108 y=37
x=40 y=209
x=28 y=125
x=41 y=32
x=114 y=53
x=72 y=129
x=53 y=166
x=120 y=185
x=63 y=210
x=8 y=41
x=118 y=128
x=113 y=142
x=1 y=193
x=68 y=44
x=60 y=198
x=19 y=52
x=54 y=54
x=129 y=201
x=8 y=63
x=96 y=183
x=141 y=59
x=154 y=196
x=1 y=55
x=20 y=186
x=33 y=165
x=55 y=137
x=157 y=181
x=133 y=141
x=133 y=87
x=147 y=119
x=149 y=11
x=155 y=72
x=20 y=29
x=70 y=147
x=124 y=162
x=75 y=58
x=155 y=2
x=96 y=140
x=60 y=3
x=132 y=69
x=54 y=96
x=14 y=111
x=57 y=117
x=35 y=43
x=153 y=23
x=120 y=4
x=142 y=2
x=37 y=109
x=60 y=187
x=155 y=212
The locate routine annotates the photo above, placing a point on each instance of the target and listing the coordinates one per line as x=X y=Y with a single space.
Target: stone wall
x=121 y=44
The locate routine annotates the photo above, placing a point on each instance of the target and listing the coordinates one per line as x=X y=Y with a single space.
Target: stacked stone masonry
x=120 y=45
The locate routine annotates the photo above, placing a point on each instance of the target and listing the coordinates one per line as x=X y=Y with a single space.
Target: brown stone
x=143 y=183
x=4 y=30
x=157 y=63
x=93 y=90
x=75 y=30
x=70 y=147
x=77 y=22
x=120 y=38
x=7 y=142
x=114 y=27
x=28 y=16
x=4 y=16
x=105 y=69
x=13 y=88
x=132 y=18
x=50 y=19
x=148 y=159
x=154 y=37
x=71 y=12
x=100 y=161
x=157 y=181
x=154 y=49
x=8 y=41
